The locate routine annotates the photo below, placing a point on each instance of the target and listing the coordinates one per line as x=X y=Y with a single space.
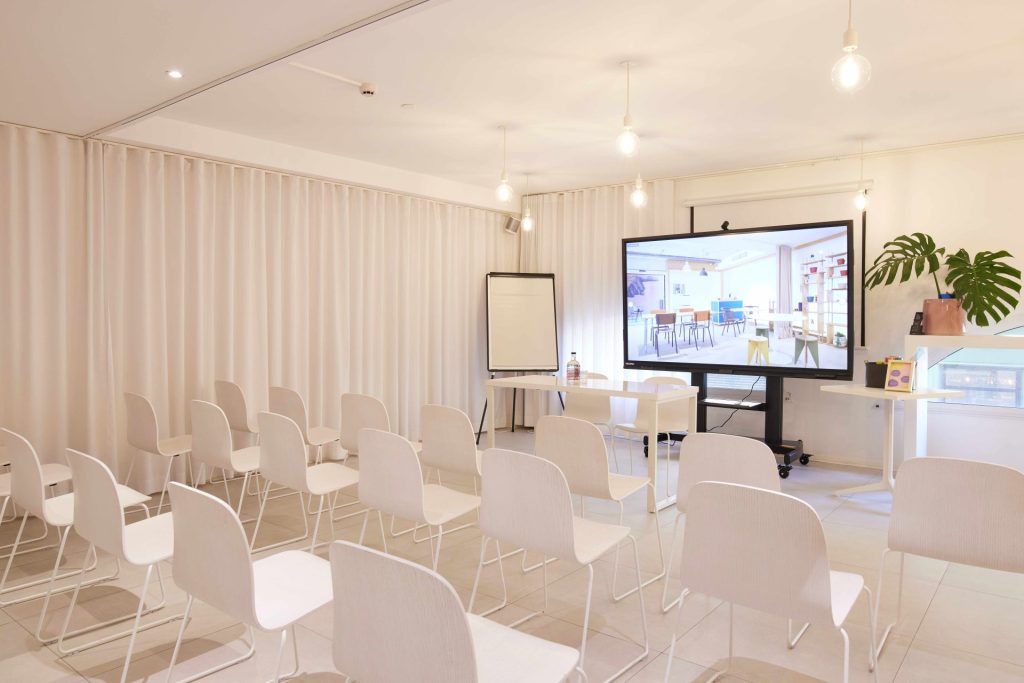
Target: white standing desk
x=889 y=398
x=654 y=394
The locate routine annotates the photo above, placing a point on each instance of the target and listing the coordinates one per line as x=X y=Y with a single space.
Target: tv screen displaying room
x=761 y=301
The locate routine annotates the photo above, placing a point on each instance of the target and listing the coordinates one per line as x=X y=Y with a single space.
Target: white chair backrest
x=596 y=409
x=282 y=451
x=449 y=442
x=705 y=456
x=232 y=401
x=525 y=502
x=674 y=416
x=211 y=435
x=289 y=403
x=143 y=429
x=396 y=621
x=577 y=447
x=959 y=511
x=99 y=518
x=760 y=549
x=211 y=553
x=358 y=412
x=26 y=473
x=390 y=478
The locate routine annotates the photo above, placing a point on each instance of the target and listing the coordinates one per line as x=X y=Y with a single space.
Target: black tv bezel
x=759 y=370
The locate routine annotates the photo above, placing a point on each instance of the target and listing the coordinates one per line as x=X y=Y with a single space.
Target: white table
x=889 y=398
x=654 y=394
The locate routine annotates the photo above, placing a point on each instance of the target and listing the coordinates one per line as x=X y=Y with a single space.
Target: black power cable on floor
x=736 y=410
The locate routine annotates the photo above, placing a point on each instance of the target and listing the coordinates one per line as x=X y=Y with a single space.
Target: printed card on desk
x=899 y=375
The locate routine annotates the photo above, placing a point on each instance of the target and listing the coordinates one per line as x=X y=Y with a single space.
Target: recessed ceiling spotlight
x=408 y=105
x=174 y=73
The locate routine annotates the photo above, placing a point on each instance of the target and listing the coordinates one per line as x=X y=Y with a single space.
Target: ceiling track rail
x=380 y=16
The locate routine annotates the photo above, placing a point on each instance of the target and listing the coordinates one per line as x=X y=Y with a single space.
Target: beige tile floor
x=959 y=624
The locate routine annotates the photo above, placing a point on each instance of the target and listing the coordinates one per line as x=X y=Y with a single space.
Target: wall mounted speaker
x=512 y=225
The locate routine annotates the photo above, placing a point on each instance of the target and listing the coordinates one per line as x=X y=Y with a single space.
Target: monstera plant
x=984 y=288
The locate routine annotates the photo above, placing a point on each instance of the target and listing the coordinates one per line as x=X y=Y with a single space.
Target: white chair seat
x=442 y=504
x=246 y=459
x=329 y=477
x=320 y=436
x=150 y=540
x=176 y=445
x=846 y=588
x=60 y=510
x=622 y=486
x=594 y=539
x=53 y=473
x=288 y=586
x=505 y=655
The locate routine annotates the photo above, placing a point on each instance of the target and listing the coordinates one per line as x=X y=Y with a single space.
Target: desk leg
x=888 y=483
x=490 y=416
x=652 y=459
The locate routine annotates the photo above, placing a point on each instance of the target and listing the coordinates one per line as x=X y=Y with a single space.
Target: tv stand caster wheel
x=784 y=472
x=804 y=459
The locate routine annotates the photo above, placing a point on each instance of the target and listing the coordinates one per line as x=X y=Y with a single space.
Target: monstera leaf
x=905 y=257
x=987 y=286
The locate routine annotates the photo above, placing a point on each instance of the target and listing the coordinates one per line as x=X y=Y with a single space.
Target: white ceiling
x=719 y=84
x=78 y=66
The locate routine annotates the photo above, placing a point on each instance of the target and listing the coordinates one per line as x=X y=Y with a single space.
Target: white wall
x=966 y=195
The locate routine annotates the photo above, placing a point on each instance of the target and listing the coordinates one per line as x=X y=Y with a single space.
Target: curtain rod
x=1005 y=137
x=255 y=167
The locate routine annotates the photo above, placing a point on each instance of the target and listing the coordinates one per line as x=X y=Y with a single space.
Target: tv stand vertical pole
x=774 y=399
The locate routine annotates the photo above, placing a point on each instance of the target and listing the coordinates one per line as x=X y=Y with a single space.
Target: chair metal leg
x=668 y=566
x=643 y=615
x=872 y=660
x=504 y=586
x=878 y=602
x=675 y=632
x=259 y=519
x=167 y=481
x=792 y=640
x=662 y=572
x=846 y=656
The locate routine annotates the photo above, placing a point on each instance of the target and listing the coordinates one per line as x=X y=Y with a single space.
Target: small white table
x=890 y=398
x=654 y=394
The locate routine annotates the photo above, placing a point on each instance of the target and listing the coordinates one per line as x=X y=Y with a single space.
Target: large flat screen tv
x=774 y=301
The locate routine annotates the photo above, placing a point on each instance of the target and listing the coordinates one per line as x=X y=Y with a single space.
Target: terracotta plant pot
x=944 y=317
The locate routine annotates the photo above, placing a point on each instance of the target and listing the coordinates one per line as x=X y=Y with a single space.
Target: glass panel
x=988 y=377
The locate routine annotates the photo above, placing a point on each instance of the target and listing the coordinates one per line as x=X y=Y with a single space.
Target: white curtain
x=578 y=237
x=189 y=271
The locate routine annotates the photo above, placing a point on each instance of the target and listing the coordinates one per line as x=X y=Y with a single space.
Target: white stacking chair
x=594 y=409
x=144 y=434
x=212 y=447
x=53 y=475
x=283 y=462
x=391 y=481
x=764 y=550
x=212 y=563
x=579 y=450
x=526 y=502
x=289 y=403
x=99 y=520
x=359 y=412
x=28 y=484
x=231 y=399
x=395 y=621
x=706 y=456
x=673 y=418
x=956 y=511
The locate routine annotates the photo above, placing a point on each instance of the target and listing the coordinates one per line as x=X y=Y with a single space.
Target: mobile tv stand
x=789 y=451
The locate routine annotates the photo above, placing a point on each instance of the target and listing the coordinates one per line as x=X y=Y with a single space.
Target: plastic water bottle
x=572 y=369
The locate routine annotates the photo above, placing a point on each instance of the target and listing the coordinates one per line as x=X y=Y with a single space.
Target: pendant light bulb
x=860 y=200
x=638 y=197
x=853 y=71
x=504 y=190
x=628 y=141
x=527 y=223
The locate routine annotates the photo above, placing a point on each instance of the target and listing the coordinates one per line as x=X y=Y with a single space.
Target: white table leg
x=652 y=459
x=888 y=483
x=492 y=408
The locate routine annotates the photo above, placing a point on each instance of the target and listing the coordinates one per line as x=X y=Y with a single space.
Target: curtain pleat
x=124 y=269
